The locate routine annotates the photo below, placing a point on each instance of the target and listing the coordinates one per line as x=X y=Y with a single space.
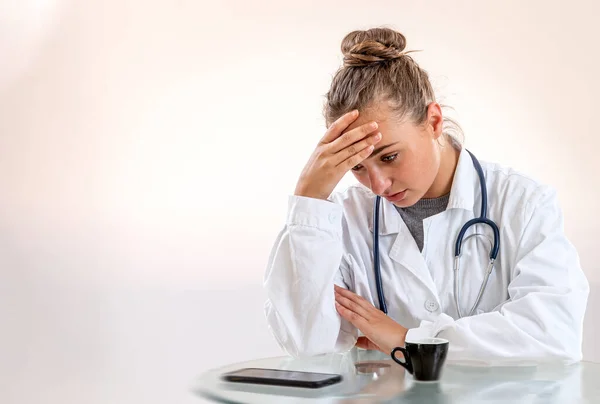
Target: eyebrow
x=380 y=149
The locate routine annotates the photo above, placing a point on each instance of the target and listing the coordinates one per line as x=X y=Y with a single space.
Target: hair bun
x=362 y=48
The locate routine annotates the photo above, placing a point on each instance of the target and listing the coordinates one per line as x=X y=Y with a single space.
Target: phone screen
x=282 y=377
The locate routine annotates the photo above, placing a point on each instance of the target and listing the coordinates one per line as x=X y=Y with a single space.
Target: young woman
x=399 y=256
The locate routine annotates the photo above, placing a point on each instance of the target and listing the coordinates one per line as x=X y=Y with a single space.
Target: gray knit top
x=414 y=215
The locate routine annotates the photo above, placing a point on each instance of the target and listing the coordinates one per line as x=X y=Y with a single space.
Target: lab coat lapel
x=464 y=184
x=404 y=250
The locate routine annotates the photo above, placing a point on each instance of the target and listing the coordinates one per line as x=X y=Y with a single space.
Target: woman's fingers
x=349 y=163
x=352 y=306
x=354 y=150
x=359 y=300
x=355 y=309
x=380 y=329
x=339 y=126
x=355 y=319
x=351 y=137
x=334 y=157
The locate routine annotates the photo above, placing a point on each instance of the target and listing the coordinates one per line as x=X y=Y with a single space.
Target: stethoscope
x=482 y=219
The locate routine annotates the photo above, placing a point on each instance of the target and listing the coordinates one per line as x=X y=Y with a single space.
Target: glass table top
x=372 y=377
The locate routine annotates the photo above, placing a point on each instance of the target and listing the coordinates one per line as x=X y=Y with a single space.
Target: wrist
x=402 y=336
x=310 y=195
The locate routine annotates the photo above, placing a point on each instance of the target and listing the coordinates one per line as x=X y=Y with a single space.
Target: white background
x=147 y=149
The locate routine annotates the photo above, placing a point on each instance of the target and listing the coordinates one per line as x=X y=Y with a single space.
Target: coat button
x=333 y=217
x=430 y=305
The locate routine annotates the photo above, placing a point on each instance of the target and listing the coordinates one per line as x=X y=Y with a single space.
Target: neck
x=443 y=181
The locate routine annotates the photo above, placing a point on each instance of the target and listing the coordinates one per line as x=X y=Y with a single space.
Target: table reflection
x=372 y=377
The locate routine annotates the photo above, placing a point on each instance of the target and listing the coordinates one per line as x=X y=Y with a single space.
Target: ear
x=435 y=120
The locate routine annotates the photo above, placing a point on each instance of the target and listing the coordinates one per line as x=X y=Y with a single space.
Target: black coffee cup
x=424 y=358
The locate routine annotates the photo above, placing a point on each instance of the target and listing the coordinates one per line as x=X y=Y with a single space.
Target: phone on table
x=278 y=377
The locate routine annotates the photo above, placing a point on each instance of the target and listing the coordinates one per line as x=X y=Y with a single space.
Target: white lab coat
x=532 y=309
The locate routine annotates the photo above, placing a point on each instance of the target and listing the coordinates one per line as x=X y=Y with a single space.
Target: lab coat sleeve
x=543 y=317
x=305 y=262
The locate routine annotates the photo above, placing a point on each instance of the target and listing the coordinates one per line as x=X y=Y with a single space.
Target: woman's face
x=406 y=160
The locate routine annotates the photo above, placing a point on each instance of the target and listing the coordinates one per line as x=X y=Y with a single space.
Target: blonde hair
x=378 y=69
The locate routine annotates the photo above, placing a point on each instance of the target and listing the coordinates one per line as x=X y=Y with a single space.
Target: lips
x=396 y=197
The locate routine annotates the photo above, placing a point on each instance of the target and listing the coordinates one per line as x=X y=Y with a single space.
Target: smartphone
x=278 y=377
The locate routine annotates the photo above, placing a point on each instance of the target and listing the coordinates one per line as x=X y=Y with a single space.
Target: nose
x=379 y=182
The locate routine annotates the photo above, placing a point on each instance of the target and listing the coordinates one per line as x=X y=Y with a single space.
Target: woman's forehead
x=390 y=127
